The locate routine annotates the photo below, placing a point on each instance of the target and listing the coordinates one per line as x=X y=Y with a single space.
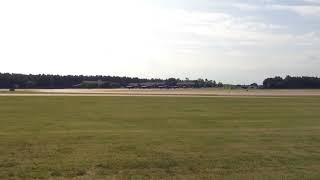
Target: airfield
x=160 y=134
x=204 y=92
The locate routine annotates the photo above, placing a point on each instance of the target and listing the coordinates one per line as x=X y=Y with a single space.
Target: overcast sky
x=234 y=41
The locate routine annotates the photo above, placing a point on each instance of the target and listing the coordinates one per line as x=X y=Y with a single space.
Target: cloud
x=244 y=43
x=303 y=10
x=246 y=6
x=302 y=7
x=312 y=1
x=138 y=39
x=202 y=30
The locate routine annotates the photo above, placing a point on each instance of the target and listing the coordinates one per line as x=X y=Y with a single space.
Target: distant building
x=133 y=85
x=162 y=84
x=252 y=86
x=187 y=84
x=146 y=85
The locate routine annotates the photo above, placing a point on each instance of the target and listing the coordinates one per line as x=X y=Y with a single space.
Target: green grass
x=159 y=137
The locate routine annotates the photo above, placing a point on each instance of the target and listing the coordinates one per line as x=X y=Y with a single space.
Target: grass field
x=196 y=92
x=159 y=137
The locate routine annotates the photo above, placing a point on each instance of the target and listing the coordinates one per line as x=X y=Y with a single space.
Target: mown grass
x=159 y=138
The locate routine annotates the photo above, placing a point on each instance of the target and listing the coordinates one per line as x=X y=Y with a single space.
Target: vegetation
x=15 y=81
x=292 y=83
x=8 y=80
x=159 y=137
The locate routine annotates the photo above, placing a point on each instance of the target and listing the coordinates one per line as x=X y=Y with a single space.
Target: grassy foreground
x=159 y=137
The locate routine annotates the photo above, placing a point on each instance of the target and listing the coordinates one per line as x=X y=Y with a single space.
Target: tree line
x=45 y=81
x=8 y=80
x=290 y=82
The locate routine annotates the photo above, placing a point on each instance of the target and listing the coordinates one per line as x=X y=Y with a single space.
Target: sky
x=233 y=41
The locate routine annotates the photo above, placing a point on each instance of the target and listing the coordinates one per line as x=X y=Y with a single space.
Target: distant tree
x=220 y=84
x=276 y=82
x=292 y=82
x=214 y=84
x=254 y=85
x=171 y=82
x=200 y=83
x=8 y=80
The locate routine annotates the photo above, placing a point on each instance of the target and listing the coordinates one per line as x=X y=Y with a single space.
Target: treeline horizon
x=292 y=82
x=49 y=81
